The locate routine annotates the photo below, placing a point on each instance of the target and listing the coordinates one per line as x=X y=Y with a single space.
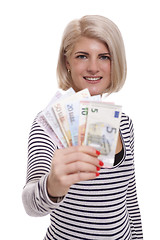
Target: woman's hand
x=71 y=165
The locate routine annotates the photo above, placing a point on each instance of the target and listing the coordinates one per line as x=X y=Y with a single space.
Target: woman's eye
x=81 y=57
x=105 y=57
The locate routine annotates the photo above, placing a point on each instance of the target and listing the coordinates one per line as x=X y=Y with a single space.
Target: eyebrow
x=101 y=54
x=81 y=52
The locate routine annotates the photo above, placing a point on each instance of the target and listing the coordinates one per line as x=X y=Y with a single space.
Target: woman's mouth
x=93 y=80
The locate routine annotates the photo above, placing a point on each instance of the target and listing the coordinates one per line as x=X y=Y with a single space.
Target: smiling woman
x=84 y=199
x=89 y=66
x=103 y=37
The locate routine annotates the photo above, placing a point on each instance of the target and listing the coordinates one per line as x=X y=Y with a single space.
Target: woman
x=85 y=200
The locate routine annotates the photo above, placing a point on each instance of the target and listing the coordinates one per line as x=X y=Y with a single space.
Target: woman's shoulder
x=38 y=128
x=35 y=124
x=126 y=121
x=125 y=117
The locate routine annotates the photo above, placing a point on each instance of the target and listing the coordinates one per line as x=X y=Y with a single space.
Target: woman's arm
x=133 y=210
x=40 y=153
x=54 y=171
x=132 y=201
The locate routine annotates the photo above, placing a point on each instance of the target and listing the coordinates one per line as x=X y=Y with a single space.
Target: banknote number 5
x=94 y=110
x=111 y=130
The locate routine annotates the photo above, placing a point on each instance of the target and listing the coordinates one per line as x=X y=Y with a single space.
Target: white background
x=30 y=35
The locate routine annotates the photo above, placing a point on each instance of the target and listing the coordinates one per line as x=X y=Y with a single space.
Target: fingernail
x=97 y=174
x=98 y=168
x=101 y=163
x=98 y=152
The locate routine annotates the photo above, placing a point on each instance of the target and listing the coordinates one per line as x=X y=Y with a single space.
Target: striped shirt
x=99 y=209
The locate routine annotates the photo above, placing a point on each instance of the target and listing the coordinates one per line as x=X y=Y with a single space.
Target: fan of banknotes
x=76 y=118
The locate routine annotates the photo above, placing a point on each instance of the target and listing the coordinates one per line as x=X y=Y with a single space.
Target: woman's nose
x=93 y=67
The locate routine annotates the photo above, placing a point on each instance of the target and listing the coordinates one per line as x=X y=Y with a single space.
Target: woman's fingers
x=81 y=157
x=72 y=165
x=85 y=149
x=80 y=166
x=76 y=159
x=68 y=180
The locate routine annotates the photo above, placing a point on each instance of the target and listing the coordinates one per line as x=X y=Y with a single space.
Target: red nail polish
x=97 y=174
x=98 y=168
x=98 y=152
x=101 y=163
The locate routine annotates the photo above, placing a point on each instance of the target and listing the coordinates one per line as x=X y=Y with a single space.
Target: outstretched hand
x=72 y=165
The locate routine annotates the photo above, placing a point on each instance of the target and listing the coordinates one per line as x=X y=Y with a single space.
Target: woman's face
x=90 y=66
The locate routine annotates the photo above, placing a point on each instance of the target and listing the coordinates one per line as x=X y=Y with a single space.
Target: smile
x=92 y=78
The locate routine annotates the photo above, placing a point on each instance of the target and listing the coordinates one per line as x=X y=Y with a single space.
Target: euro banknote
x=72 y=110
x=41 y=120
x=76 y=118
x=52 y=120
x=60 y=111
x=48 y=121
x=83 y=113
x=102 y=129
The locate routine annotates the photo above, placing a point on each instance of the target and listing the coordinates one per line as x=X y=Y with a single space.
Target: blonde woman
x=85 y=200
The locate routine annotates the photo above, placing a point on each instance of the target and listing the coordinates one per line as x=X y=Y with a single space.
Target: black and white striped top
x=99 y=209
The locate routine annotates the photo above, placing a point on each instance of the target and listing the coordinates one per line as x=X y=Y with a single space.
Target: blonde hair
x=103 y=29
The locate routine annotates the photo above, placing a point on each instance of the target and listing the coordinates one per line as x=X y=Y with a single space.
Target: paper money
x=83 y=109
x=47 y=128
x=50 y=116
x=102 y=129
x=60 y=111
x=80 y=119
x=72 y=110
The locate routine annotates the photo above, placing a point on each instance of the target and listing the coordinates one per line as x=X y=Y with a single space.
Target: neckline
x=118 y=156
x=124 y=154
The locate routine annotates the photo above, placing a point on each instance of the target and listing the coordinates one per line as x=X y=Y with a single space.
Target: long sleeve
x=40 y=153
x=102 y=208
x=132 y=201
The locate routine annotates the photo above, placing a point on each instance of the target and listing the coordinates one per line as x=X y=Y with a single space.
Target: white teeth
x=92 y=78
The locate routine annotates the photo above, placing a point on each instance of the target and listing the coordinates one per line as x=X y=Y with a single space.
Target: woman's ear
x=67 y=63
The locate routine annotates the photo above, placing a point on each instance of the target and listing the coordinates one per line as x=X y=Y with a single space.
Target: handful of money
x=72 y=119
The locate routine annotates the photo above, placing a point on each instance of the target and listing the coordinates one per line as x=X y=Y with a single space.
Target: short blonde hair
x=103 y=29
